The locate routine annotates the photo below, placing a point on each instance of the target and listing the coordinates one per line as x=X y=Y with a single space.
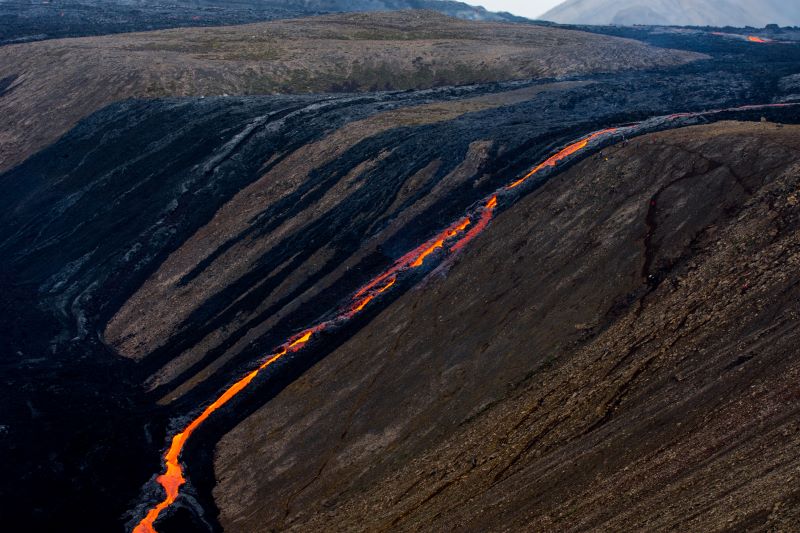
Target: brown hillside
x=617 y=352
x=58 y=82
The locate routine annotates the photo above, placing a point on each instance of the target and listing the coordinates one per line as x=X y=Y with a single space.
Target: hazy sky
x=525 y=8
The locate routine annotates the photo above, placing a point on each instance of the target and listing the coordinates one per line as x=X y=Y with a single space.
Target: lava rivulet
x=561 y=155
x=172 y=479
x=365 y=300
x=451 y=240
x=449 y=234
x=486 y=217
x=415 y=258
x=748 y=38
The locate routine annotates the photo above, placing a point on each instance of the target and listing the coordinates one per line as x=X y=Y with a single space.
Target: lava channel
x=749 y=38
x=173 y=477
x=561 y=155
x=451 y=240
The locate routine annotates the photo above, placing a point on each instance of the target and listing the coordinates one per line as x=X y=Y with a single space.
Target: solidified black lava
x=86 y=221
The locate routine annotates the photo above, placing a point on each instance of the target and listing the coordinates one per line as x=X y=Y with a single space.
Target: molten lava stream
x=751 y=38
x=451 y=240
x=172 y=479
x=561 y=155
x=486 y=217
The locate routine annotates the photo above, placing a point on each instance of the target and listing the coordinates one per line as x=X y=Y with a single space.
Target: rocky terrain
x=622 y=337
x=734 y=13
x=49 y=86
x=619 y=336
x=30 y=20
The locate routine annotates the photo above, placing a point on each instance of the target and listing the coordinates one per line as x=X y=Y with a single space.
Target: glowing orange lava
x=416 y=257
x=560 y=156
x=363 y=302
x=486 y=217
x=439 y=243
x=751 y=38
x=172 y=478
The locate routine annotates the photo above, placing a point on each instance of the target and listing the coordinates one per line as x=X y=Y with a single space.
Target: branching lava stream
x=451 y=240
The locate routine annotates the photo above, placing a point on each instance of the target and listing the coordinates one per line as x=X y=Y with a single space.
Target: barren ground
x=617 y=352
x=53 y=84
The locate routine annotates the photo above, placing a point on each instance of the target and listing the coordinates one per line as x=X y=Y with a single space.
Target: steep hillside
x=30 y=20
x=618 y=352
x=736 y=13
x=168 y=245
x=45 y=88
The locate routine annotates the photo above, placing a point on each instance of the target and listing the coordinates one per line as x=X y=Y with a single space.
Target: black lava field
x=86 y=221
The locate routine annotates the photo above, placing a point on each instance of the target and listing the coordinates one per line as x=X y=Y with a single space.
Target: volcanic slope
x=618 y=351
x=195 y=249
x=328 y=210
x=192 y=236
x=46 y=87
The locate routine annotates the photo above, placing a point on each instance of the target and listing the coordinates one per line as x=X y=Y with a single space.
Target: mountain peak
x=738 y=13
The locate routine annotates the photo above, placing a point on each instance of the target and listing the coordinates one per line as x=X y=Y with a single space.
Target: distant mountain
x=29 y=20
x=737 y=13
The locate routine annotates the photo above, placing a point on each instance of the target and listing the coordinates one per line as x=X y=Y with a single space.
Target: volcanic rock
x=616 y=351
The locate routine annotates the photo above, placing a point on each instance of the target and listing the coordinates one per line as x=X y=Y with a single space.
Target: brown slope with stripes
x=150 y=318
x=616 y=352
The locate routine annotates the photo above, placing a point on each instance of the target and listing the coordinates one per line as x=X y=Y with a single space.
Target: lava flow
x=561 y=155
x=454 y=238
x=172 y=479
x=451 y=240
x=750 y=38
x=486 y=217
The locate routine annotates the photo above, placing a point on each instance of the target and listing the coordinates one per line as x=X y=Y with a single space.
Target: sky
x=524 y=8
